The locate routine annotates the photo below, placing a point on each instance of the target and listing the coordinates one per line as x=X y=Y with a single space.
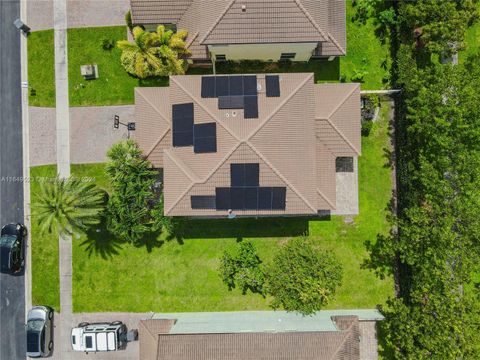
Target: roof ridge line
x=179 y=162
x=335 y=42
x=277 y=109
x=153 y=106
x=216 y=22
x=335 y=109
x=199 y=103
x=158 y=142
x=326 y=199
x=281 y=176
x=341 y=135
x=310 y=18
x=221 y=162
x=191 y=41
x=347 y=334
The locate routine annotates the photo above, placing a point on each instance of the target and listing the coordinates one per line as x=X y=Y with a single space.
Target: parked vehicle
x=12 y=248
x=99 y=337
x=39 y=332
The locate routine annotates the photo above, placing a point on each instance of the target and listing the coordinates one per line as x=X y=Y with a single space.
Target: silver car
x=39 y=331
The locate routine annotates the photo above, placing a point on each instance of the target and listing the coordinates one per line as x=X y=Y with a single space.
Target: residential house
x=251 y=29
x=252 y=145
x=273 y=335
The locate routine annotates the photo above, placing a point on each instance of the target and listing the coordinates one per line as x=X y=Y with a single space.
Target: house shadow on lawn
x=245 y=227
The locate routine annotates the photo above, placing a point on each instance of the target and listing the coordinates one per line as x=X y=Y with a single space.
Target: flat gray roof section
x=260 y=321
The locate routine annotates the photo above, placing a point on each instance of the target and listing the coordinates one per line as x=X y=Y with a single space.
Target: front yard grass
x=45 y=275
x=41 y=69
x=163 y=276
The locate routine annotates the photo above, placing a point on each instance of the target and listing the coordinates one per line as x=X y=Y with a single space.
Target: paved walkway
x=91 y=133
x=81 y=13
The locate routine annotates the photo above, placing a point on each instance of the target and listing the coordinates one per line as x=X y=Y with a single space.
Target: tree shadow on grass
x=150 y=241
x=245 y=227
x=99 y=241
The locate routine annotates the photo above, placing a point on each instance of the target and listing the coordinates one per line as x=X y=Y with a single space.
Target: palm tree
x=139 y=58
x=171 y=48
x=154 y=54
x=68 y=206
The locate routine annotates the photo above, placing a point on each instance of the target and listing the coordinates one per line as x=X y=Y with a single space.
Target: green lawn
x=45 y=275
x=41 y=69
x=472 y=41
x=365 y=52
x=171 y=276
x=114 y=86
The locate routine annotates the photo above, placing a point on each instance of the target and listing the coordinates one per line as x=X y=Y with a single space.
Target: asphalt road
x=12 y=291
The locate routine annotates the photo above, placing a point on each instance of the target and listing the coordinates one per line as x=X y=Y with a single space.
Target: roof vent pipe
x=244 y=8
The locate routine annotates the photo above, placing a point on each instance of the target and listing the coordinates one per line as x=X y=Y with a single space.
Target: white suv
x=99 y=337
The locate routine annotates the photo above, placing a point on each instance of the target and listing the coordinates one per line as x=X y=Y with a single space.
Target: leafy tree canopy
x=303 y=278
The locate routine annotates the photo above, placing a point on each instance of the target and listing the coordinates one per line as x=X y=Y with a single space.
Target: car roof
x=5 y=258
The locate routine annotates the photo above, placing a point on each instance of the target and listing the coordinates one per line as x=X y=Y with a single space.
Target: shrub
x=359 y=75
x=108 y=44
x=243 y=269
x=303 y=278
x=128 y=21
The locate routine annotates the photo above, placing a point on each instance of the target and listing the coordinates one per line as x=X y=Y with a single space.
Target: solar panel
x=182 y=138
x=205 y=145
x=278 y=198
x=264 y=198
x=208 y=86
x=203 y=201
x=205 y=130
x=182 y=111
x=250 y=85
x=222 y=198
x=236 y=85
x=272 y=83
x=252 y=174
x=237 y=198
x=237 y=174
x=251 y=107
x=221 y=86
x=251 y=198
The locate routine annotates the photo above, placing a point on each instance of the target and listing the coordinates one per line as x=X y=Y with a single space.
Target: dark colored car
x=39 y=331
x=12 y=248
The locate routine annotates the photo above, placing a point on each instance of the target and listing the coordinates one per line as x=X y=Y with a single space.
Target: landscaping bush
x=130 y=204
x=303 y=278
x=128 y=21
x=243 y=269
x=108 y=44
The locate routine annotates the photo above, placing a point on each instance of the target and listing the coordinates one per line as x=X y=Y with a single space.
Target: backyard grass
x=41 y=69
x=45 y=275
x=365 y=53
x=472 y=41
x=162 y=275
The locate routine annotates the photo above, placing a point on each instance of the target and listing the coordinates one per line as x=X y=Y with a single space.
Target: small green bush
x=128 y=20
x=108 y=44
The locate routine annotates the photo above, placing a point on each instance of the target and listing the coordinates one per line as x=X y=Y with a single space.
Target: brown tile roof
x=263 y=21
x=294 y=140
x=312 y=345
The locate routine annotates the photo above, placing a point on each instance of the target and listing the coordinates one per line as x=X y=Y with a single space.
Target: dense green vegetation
x=434 y=254
x=41 y=69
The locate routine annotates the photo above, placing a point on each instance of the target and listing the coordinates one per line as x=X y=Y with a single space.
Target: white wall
x=263 y=51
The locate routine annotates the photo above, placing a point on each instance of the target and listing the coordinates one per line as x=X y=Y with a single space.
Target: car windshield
x=33 y=341
x=7 y=240
x=35 y=325
x=5 y=258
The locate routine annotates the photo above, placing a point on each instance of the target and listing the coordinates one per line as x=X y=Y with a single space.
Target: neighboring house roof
x=295 y=140
x=250 y=22
x=330 y=338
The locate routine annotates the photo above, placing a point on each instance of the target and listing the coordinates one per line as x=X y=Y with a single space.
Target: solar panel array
x=272 y=84
x=233 y=92
x=250 y=198
x=203 y=137
x=202 y=201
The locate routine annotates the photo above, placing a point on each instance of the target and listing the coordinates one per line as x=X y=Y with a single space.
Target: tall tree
x=68 y=206
x=130 y=204
x=154 y=54
x=303 y=278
